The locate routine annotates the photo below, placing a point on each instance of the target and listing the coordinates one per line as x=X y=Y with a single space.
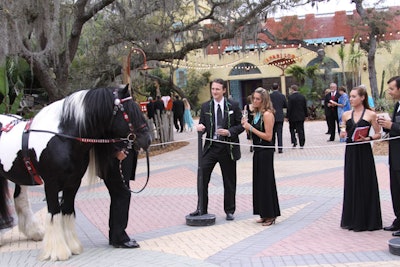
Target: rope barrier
x=251 y=144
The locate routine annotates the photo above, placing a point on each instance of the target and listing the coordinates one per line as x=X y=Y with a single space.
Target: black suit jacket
x=232 y=122
x=297 y=107
x=178 y=108
x=331 y=111
x=279 y=102
x=394 y=144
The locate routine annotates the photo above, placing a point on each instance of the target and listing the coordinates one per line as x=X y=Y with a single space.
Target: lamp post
x=128 y=65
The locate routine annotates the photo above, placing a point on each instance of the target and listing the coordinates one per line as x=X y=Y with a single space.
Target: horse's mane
x=87 y=113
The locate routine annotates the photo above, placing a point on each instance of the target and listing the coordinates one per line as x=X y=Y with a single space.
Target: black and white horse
x=63 y=141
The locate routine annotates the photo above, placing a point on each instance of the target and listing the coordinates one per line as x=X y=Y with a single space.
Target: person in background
x=178 y=108
x=265 y=196
x=220 y=119
x=150 y=108
x=361 y=204
x=331 y=111
x=393 y=128
x=279 y=102
x=343 y=105
x=327 y=91
x=187 y=116
x=296 y=114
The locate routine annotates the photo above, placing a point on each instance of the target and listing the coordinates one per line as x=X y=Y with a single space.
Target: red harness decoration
x=26 y=158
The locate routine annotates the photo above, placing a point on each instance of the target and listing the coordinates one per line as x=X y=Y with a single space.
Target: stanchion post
x=202 y=219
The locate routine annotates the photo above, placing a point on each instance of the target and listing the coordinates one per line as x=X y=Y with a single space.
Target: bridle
x=131 y=138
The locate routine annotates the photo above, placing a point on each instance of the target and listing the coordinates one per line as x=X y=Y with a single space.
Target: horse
x=63 y=141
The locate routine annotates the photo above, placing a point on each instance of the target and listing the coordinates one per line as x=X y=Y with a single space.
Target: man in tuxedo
x=279 y=102
x=296 y=113
x=393 y=128
x=331 y=111
x=220 y=119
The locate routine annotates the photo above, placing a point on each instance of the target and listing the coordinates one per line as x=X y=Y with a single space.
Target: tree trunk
x=371 y=67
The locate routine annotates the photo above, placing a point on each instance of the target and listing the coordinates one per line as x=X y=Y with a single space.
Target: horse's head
x=129 y=120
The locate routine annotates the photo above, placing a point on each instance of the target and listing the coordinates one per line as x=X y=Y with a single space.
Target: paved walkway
x=310 y=188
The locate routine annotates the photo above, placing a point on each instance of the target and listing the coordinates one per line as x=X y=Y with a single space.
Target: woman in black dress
x=265 y=197
x=361 y=204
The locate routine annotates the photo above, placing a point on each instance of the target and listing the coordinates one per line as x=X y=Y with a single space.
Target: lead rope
x=147 y=179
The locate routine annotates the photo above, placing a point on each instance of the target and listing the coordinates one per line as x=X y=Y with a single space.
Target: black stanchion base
x=394 y=246
x=200 y=220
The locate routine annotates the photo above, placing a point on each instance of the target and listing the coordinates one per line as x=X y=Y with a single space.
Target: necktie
x=219 y=117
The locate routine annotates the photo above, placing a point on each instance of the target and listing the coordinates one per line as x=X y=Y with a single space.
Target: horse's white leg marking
x=70 y=234
x=54 y=245
x=27 y=223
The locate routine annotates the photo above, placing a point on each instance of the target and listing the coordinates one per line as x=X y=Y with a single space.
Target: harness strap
x=26 y=158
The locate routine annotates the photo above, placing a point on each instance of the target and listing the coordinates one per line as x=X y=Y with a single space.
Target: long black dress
x=361 y=204
x=265 y=196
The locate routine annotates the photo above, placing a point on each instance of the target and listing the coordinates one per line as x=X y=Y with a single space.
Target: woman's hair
x=266 y=103
x=186 y=103
x=361 y=91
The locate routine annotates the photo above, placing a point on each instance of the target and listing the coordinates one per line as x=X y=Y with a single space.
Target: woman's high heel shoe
x=269 y=222
x=261 y=220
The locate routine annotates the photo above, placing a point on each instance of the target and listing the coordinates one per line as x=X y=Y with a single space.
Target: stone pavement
x=310 y=189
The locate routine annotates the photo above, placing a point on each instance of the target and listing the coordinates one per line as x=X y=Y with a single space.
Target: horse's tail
x=6 y=219
x=91 y=172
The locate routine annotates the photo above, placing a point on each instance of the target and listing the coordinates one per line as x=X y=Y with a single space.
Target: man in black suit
x=331 y=111
x=220 y=119
x=150 y=108
x=296 y=113
x=279 y=102
x=393 y=128
x=178 y=108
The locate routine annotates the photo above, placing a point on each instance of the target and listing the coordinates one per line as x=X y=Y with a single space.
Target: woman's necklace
x=257 y=117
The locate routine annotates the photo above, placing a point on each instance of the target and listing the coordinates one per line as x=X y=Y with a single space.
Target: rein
x=147 y=178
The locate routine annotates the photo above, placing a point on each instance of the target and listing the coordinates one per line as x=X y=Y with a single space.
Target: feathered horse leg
x=27 y=222
x=54 y=245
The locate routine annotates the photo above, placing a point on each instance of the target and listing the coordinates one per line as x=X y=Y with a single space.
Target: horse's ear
x=125 y=91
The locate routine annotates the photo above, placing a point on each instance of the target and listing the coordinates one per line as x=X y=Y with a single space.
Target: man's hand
x=121 y=155
x=387 y=124
x=200 y=127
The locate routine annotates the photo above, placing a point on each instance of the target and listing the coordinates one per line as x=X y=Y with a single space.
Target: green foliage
x=297 y=72
x=151 y=87
x=383 y=104
x=195 y=83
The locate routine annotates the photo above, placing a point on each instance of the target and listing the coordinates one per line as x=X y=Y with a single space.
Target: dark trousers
x=120 y=197
x=219 y=153
x=395 y=192
x=297 y=127
x=278 y=126
x=181 y=123
x=332 y=120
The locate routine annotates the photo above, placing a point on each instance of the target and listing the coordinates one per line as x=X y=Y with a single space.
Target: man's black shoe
x=391 y=228
x=397 y=233
x=229 y=217
x=197 y=213
x=128 y=244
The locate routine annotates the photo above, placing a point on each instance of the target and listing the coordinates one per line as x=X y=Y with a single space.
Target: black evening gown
x=361 y=204
x=265 y=196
